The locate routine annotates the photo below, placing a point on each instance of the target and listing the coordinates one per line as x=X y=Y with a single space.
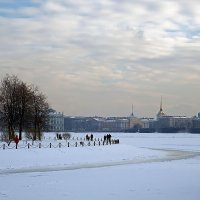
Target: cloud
x=116 y=52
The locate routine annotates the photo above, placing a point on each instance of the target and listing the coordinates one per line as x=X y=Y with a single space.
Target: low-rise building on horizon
x=56 y=121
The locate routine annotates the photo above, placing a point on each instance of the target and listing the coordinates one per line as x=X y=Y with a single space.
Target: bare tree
x=8 y=102
x=22 y=107
x=40 y=111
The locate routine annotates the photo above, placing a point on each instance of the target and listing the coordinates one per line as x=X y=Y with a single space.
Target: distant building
x=174 y=124
x=195 y=124
x=81 y=124
x=97 y=124
x=147 y=122
x=167 y=123
x=115 y=124
x=162 y=123
x=122 y=124
x=56 y=121
x=135 y=123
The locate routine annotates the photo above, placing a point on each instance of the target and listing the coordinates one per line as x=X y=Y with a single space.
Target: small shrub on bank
x=66 y=136
x=4 y=137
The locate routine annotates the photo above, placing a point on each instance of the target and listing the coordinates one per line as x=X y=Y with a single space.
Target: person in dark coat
x=87 y=137
x=109 y=138
x=91 y=137
x=104 y=138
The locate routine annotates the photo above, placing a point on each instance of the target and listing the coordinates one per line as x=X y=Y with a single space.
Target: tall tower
x=132 y=115
x=161 y=105
x=160 y=113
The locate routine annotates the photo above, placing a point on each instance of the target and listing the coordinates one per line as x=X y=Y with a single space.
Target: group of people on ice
x=107 y=139
x=89 y=138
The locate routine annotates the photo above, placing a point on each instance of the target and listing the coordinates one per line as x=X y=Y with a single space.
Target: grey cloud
x=106 y=50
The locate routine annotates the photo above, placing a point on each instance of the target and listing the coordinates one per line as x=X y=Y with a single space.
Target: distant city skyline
x=99 y=57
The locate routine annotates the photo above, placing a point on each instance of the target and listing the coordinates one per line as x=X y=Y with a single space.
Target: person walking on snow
x=91 y=137
x=16 y=139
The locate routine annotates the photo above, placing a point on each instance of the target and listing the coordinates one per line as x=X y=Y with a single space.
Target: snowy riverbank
x=142 y=166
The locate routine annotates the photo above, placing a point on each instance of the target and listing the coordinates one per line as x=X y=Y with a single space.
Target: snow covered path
x=168 y=155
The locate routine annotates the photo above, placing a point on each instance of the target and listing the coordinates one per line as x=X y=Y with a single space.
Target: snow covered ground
x=143 y=166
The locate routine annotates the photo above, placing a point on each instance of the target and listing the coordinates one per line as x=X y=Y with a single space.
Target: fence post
x=76 y=144
x=103 y=142
x=94 y=143
x=50 y=145
x=99 y=143
x=4 y=146
x=59 y=145
x=28 y=146
x=68 y=144
x=39 y=145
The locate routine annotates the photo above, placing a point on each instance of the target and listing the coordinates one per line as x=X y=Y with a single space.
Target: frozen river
x=143 y=166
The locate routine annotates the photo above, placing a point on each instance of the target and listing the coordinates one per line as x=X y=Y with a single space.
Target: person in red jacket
x=16 y=139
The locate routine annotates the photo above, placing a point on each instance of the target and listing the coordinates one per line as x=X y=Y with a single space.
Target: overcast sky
x=98 y=57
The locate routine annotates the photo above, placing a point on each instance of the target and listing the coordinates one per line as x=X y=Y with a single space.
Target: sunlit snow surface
x=143 y=166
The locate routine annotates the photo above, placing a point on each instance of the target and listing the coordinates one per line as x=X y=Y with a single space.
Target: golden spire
x=132 y=111
x=160 y=113
x=161 y=109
